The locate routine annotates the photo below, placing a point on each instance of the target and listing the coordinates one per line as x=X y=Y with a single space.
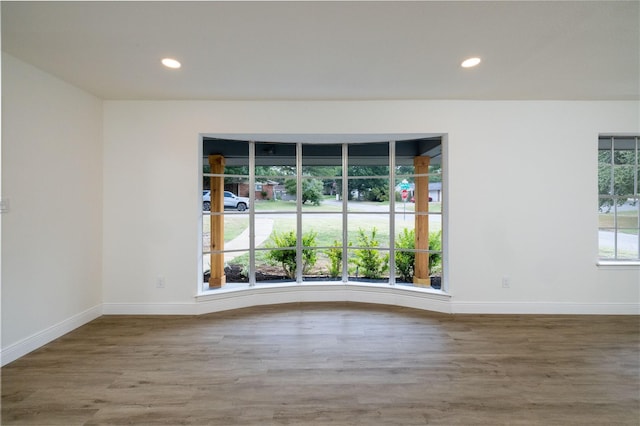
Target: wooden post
x=421 y=194
x=217 y=278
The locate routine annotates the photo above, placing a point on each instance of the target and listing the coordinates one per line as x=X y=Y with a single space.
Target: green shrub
x=335 y=259
x=435 y=259
x=406 y=260
x=369 y=261
x=287 y=257
x=378 y=194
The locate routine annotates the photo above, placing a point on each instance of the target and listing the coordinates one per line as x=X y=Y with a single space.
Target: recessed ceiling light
x=470 y=63
x=171 y=63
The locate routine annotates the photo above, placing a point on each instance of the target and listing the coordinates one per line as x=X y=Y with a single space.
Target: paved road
x=626 y=242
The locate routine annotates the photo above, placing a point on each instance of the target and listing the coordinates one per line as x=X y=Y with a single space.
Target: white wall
x=535 y=224
x=52 y=235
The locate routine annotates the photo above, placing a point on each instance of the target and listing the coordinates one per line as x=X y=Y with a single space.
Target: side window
x=618 y=201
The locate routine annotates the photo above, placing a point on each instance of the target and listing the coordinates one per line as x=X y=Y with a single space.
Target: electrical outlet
x=160 y=282
x=506 y=282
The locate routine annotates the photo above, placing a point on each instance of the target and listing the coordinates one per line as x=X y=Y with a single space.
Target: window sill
x=415 y=297
x=619 y=264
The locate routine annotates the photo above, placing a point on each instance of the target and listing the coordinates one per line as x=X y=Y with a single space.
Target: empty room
x=320 y=212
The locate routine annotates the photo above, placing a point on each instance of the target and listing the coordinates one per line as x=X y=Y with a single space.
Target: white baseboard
x=428 y=300
x=41 y=338
x=545 y=308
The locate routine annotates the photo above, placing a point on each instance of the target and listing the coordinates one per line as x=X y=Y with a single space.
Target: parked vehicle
x=231 y=201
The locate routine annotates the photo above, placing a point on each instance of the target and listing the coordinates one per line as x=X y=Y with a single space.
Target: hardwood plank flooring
x=332 y=364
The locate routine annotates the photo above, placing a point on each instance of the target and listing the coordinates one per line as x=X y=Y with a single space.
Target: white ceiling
x=333 y=50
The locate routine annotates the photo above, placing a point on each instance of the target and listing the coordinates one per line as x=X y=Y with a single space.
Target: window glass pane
x=330 y=261
x=275 y=173
x=322 y=171
x=322 y=160
x=235 y=170
x=627 y=244
x=323 y=231
x=404 y=189
x=275 y=153
x=404 y=171
x=435 y=170
x=408 y=170
x=276 y=265
x=604 y=179
x=606 y=244
x=405 y=266
x=369 y=159
x=326 y=227
x=276 y=243
x=235 y=153
x=405 y=238
x=628 y=214
x=236 y=233
x=313 y=193
x=604 y=157
x=606 y=215
x=406 y=207
x=625 y=150
x=372 y=190
x=236 y=246
x=623 y=180
x=370 y=230
x=332 y=194
x=626 y=156
x=368 y=264
x=206 y=233
x=404 y=221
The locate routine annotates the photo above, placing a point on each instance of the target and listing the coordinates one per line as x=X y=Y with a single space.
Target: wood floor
x=332 y=364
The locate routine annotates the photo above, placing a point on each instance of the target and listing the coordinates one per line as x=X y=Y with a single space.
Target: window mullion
x=392 y=212
x=635 y=172
x=637 y=190
x=252 y=214
x=614 y=199
x=299 y=260
x=345 y=208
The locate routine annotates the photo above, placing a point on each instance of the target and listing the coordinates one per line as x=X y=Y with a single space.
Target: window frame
x=390 y=213
x=611 y=198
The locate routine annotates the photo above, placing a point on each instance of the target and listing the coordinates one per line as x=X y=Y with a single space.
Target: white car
x=231 y=201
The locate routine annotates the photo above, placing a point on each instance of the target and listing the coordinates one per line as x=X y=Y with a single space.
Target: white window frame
x=616 y=259
x=344 y=213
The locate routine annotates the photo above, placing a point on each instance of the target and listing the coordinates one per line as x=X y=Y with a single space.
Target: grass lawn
x=327 y=226
x=627 y=221
x=290 y=206
x=233 y=225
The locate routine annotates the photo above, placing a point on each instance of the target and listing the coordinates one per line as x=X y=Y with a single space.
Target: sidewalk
x=263 y=231
x=241 y=242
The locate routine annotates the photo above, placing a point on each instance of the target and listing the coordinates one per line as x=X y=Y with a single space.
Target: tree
x=311 y=190
x=621 y=188
x=370 y=188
